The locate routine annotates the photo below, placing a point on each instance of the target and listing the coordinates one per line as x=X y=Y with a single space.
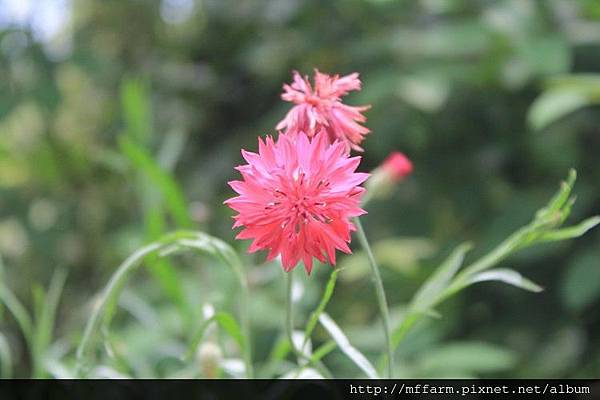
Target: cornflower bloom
x=320 y=108
x=297 y=197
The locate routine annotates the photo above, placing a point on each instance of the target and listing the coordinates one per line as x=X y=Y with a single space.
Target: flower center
x=300 y=204
x=312 y=100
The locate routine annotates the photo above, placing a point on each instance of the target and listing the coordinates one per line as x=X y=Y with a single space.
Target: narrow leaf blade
x=314 y=317
x=435 y=285
x=509 y=276
x=344 y=344
x=570 y=232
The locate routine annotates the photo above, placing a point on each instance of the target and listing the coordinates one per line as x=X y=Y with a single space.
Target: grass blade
x=570 y=232
x=46 y=318
x=435 y=285
x=322 y=351
x=509 y=276
x=226 y=321
x=344 y=344
x=169 y=188
x=18 y=311
x=6 y=370
x=314 y=317
x=105 y=307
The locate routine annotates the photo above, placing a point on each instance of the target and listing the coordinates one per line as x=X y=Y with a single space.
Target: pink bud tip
x=397 y=165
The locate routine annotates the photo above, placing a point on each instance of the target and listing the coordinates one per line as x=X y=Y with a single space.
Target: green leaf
x=18 y=311
x=509 y=276
x=553 y=105
x=105 y=306
x=314 y=317
x=169 y=188
x=535 y=51
x=229 y=324
x=161 y=268
x=225 y=321
x=135 y=102
x=564 y=95
x=46 y=318
x=344 y=344
x=322 y=351
x=560 y=198
x=5 y=359
x=570 y=232
x=435 y=285
x=466 y=357
x=281 y=348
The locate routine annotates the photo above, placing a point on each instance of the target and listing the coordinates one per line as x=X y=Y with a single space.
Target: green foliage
x=464 y=359
x=105 y=308
x=446 y=281
x=344 y=345
x=582 y=282
x=314 y=316
x=37 y=330
x=563 y=96
x=126 y=125
x=5 y=358
x=45 y=317
x=399 y=254
x=225 y=321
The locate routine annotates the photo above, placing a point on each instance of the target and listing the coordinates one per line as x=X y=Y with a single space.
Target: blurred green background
x=123 y=119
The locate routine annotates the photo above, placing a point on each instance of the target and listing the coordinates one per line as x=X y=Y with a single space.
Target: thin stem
x=289 y=329
x=289 y=318
x=381 y=299
x=244 y=319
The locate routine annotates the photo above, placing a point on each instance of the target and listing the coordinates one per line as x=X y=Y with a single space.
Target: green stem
x=498 y=254
x=289 y=318
x=245 y=321
x=381 y=299
x=289 y=330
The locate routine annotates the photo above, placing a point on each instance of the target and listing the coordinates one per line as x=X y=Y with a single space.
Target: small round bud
x=385 y=177
x=397 y=165
x=209 y=358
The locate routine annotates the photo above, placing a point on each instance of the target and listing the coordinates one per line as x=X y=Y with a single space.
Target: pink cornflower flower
x=397 y=165
x=384 y=178
x=321 y=108
x=297 y=197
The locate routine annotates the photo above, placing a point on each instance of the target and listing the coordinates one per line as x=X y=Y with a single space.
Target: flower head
x=296 y=198
x=397 y=165
x=392 y=171
x=320 y=108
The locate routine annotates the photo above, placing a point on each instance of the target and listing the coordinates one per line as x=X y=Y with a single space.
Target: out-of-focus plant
x=449 y=279
x=106 y=305
x=85 y=178
x=562 y=96
x=37 y=329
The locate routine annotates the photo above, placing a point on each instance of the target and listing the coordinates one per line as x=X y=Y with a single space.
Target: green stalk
x=289 y=318
x=381 y=299
x=289 y=330
x=245 y=321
